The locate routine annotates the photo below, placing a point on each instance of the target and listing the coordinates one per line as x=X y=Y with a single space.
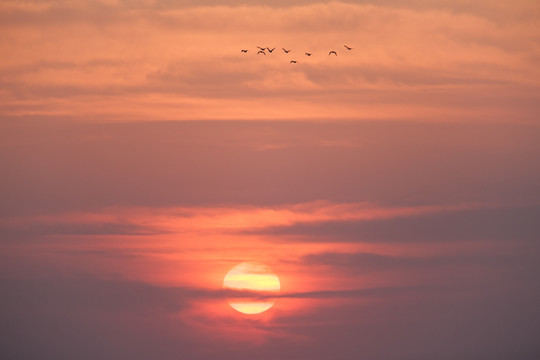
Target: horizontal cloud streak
x=358 y=263
x=495 y=224
x=77 y=229
x=125 y=295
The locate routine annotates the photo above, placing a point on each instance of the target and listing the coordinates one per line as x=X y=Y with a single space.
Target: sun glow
x=256 y=277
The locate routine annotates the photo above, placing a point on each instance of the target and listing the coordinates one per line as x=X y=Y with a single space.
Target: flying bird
x=308 y=54
x=286 y=51
x=348 y=48
x=261 y=52
x=261 y=48
x=332 y=52
x=293 y=62
x=270 y=50
x=244 y=51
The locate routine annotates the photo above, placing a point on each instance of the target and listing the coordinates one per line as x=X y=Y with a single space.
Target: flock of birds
x=263 y=50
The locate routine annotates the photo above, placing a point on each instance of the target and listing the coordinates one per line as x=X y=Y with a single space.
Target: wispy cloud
x=158 y=58
x=280 y=219
x=493 y=224
x=355 y=263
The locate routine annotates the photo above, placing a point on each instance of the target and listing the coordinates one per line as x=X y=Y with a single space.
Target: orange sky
x=127 y=60
x=394 y=188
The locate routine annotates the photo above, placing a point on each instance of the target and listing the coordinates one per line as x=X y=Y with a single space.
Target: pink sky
x=394 y=188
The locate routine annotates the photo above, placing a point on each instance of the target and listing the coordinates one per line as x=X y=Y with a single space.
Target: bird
x=308 y=54
x=244 y=51
x=332 y=52
x=261 y=48
x=286 y=51
x=293 y=62
x=261 y=52
x=348 y=48
x=270 y=50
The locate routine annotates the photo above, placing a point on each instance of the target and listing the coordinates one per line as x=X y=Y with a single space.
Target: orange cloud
x=124 y=60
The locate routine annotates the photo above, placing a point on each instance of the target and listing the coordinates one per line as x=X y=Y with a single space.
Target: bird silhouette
x=293 y=62
x=244 y=51
x=261 y=52
x=270 y=50
x=347 y=47
x=308 y=54
x=286 y=51
x=261 y=48
x=332 y=52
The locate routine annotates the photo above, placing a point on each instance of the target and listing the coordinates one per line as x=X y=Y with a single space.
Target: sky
x=394 y=189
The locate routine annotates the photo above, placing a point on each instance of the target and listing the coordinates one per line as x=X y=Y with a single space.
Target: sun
x=256 y=277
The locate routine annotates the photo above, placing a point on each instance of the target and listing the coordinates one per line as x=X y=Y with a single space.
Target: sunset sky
x=394 y=189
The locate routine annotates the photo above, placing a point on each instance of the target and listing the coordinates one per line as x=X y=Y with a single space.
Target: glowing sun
x=256 y=277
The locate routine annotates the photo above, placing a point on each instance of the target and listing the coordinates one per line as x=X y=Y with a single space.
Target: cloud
x=364 y=263
x=446 y=325
x=492 y=224
x=36 y=229
x=379 y=292
x=85 y=317
x=90 y=292
x=140 y=60
x=48 y=311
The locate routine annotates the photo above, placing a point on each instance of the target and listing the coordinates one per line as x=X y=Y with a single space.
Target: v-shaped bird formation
x=265 y=50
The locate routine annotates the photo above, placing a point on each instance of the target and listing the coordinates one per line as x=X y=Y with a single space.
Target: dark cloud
x=36 y=229
x=363 y=263
x=85 y=318
x=463 y=270
x=447 y=324
x=493 y=224
x=118 y=295
x=379 y=292
x=85 y=291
